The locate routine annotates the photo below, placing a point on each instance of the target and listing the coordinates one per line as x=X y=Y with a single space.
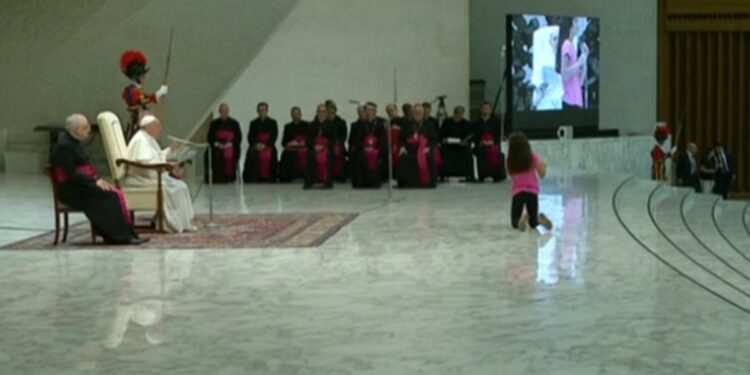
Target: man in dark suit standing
x=723 y=167
x=688 y=169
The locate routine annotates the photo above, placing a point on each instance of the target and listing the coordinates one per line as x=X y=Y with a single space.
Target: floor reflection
x=559 y=251
x=147 y=295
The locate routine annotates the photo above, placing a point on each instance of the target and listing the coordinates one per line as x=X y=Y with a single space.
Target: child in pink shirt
x=525 y=168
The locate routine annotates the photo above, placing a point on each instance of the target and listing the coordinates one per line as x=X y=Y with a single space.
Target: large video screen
x=554 y=65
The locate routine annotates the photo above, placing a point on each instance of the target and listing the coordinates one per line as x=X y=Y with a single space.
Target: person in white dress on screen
x=548 y=91
x=145 y=149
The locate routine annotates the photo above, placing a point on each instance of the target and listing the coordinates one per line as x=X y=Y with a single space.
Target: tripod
x=442 y=112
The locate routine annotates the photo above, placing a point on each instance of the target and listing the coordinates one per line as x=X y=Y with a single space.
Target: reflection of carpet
x=231 y=232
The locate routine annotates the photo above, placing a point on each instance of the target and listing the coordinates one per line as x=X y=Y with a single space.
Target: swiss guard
x=661 y=152
x=135 y=66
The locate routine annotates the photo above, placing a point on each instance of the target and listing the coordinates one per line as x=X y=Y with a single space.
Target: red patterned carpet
x=230 y=232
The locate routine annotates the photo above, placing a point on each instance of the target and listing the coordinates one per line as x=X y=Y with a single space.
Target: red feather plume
x=663 y=131
x=131 y=57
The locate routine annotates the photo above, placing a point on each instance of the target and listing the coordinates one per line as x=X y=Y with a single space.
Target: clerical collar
x=72 y=138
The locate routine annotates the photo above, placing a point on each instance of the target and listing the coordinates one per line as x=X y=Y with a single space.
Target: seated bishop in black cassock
x=396 y=123
x=224 y=139
x=321 y=141
x=261 y=162
x=490 y=158
x=416 y=166
x=368 y=148
x=80 y=188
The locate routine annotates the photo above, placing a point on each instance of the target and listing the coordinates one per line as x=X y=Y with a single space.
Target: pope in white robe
x=143 y=148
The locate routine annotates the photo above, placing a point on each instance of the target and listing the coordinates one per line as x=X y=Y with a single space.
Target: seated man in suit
x=144 y=148
x=689 y=169
x=722 y=165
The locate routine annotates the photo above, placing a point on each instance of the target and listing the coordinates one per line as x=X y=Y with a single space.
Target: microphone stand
x=500 y=89
x=204 y=147
x=496 y=104
x=389 y=128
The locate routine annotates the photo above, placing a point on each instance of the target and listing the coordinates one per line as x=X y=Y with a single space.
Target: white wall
x=347 y=49
x=629 y=53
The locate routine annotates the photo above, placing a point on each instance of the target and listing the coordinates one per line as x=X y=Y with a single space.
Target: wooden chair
x=62 y=210
x=147 y=198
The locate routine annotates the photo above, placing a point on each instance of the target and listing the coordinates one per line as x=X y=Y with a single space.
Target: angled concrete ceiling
x=64 y=54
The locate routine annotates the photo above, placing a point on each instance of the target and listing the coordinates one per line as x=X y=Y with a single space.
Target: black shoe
x=328 y=186
x=138 y=240
x=307 y=187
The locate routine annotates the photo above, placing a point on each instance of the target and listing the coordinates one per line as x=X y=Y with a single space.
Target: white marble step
x=653 y=214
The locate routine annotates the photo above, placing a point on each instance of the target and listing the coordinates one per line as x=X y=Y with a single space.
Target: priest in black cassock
x=224 y=139
x=456 y=136
x=294 y=141
x=80 y=188
x=340 y=167
x=321 y=140
x=361 y=117
x=354 y=127
x=428 y=117
x=368 y=147
x=416 y=167
x=261 y=160
x=406 y=110
x=490 y=159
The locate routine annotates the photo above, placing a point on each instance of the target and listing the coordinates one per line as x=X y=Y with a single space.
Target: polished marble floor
x=634 y=279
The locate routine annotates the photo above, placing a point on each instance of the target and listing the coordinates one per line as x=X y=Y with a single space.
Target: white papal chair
x=149 y=199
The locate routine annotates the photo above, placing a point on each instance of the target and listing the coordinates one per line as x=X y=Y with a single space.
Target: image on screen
x=554 y=65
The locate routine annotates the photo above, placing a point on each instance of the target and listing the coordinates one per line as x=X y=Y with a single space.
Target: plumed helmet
x=133 y=64
x=661 y=133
